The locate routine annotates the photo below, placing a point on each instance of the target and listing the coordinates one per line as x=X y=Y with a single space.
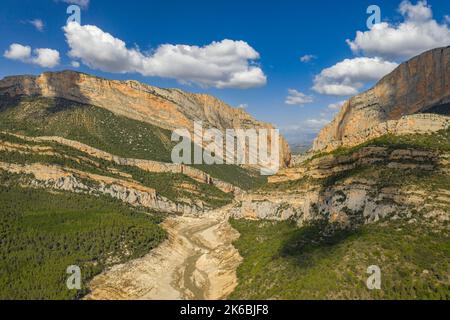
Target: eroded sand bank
x=198 y=261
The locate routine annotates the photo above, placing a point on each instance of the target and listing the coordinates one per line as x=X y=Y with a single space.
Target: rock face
x=416 y=86
x=329 y=165
x=167 y=108
x=360 y=184
x=58 y=178
x=353 y=197
x=146 y=165
x=370 y=199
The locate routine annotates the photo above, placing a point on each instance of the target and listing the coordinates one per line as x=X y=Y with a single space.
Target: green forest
x=44 y=232
x=283 y=261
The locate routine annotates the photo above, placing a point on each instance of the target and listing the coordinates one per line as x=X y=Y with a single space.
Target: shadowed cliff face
x=167 y=108
x=415 y=86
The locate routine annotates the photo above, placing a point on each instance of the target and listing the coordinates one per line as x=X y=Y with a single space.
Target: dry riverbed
x=198 y=261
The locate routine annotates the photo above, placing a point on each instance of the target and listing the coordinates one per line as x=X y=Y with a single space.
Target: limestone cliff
x=57 y=178
x=146 y=165
x=371 y=183
x=418 y=85
x=167 y=108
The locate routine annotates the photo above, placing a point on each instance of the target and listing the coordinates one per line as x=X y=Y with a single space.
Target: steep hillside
x=323 y=223
x=374 y=190
x=60 y=166
x=166 y=108
x=386 y=176
x=44 y=232
x=421 y=84
x=99 y=128
x=283 y=261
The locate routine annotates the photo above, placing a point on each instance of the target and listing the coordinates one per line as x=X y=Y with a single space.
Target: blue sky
x=266 y=40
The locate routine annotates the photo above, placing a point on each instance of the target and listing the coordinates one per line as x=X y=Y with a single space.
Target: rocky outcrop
x=368 y=183
x=330 y=165
x=167 y=108
x=146 y=165
x=65 y=179
x=412 y=124
x=352 y=198
x=418 y=85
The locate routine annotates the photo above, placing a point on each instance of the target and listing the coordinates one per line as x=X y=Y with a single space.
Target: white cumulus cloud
x=38 y=24
x=81 y=3
x=418 y=32
x=348 y=76
x=336 y=106
x=317 y=123
x=307 y=58
x=224 y=64
x=18 y=52
x=43 y=57
x=297 y=98
x=47 y=58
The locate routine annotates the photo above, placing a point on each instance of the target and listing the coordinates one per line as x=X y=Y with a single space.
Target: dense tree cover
x=39 y=116
x=42 y=233
x=244 y=178
x=283 y=261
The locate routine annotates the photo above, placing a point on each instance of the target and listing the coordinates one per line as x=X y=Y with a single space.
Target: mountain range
x=86 y=179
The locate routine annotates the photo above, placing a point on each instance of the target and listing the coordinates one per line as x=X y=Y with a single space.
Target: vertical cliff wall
x=415 y=86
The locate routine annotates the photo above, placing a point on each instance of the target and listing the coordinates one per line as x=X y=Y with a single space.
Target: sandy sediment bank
x=198 y=261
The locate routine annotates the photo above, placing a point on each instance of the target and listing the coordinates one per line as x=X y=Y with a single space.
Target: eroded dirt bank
x=198 y=261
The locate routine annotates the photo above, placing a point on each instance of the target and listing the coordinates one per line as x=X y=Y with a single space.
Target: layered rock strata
x=166 y=108
x=418 y=85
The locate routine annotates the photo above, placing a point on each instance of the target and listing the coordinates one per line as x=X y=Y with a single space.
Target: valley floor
x=198 y=261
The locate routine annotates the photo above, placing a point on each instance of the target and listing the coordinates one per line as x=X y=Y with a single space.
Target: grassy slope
x=437 y=141
x=99 y=128
x=42 y=233
x=382 y=175
x=282 y=261
x=167 y=184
